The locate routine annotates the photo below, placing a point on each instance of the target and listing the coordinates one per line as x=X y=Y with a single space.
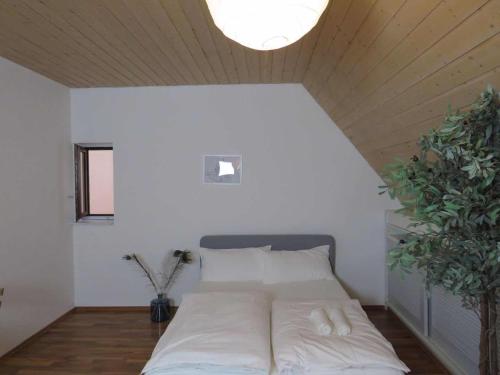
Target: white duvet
x=298 y=349
x=216 y=333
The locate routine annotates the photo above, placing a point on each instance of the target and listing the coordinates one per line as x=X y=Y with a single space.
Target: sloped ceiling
x=384 y=70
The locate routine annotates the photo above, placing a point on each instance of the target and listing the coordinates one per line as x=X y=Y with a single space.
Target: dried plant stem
x=171 y=276
x=147 y=272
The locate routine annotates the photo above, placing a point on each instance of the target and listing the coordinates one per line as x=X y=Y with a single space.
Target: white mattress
x=317 y=289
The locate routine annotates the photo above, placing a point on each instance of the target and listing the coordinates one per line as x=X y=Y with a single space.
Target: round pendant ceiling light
x=266 y=24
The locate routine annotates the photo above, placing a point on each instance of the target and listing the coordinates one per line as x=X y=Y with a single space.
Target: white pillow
x=233 y=264
x=283 y=266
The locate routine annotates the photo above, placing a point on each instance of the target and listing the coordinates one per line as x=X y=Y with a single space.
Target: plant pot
x=160 y=309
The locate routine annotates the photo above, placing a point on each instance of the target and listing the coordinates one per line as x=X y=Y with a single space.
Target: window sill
x=99 y=220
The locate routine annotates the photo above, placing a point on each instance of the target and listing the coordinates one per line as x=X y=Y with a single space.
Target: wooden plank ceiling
x=384 y=70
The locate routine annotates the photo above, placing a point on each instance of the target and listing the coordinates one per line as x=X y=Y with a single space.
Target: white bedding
x=307 y=290
x=352 y=371
x=224 y=328
x=299 y=350
x=216 y=333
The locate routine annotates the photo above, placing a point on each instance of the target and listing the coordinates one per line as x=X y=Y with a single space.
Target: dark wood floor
x=407 y=346
x=119 y=343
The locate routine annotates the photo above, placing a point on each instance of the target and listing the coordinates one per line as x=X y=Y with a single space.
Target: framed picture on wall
x=222 y=169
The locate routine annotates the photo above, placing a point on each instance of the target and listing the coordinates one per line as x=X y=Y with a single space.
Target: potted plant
x=160 y=306
x=453 y=190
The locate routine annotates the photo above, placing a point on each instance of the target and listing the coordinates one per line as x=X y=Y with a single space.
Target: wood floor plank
x=112 y=343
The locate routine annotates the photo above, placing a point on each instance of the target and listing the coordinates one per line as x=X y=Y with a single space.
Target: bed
x=188 y=348
x=315 y=289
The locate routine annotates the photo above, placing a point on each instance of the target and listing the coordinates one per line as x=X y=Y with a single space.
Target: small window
x=94 y=181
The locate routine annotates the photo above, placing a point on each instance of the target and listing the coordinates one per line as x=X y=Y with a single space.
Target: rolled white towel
x=321 y=322
x=341 y=324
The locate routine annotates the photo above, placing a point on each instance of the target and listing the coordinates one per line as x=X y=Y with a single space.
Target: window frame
x=81 y=164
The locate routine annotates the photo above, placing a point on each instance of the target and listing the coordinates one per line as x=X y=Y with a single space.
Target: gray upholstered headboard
x=277 y=241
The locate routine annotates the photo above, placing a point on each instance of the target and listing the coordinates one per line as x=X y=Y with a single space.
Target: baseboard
x=111 y=309
x=374 y=307
x=37 y=334
x=129 y=309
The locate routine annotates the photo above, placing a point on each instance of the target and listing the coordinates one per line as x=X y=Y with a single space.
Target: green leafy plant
x=452 y=190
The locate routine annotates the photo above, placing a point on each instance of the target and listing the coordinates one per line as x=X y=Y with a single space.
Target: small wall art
x=222 y=169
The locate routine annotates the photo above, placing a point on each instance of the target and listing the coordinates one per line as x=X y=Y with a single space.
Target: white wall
x=36 y=257
x=300 y=175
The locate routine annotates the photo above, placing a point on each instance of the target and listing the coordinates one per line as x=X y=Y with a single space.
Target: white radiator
x=406 y=292
x=437 y=317
x=455 y=328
